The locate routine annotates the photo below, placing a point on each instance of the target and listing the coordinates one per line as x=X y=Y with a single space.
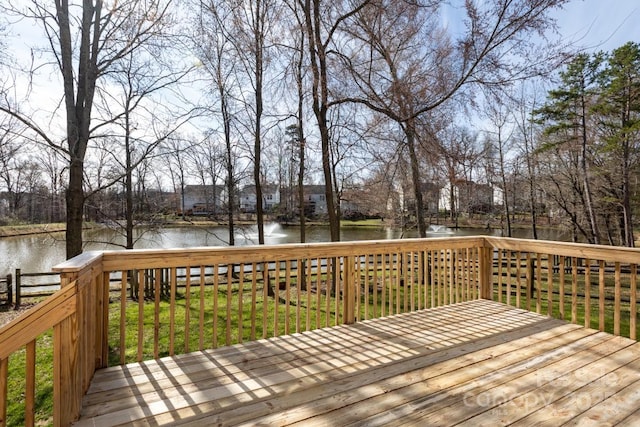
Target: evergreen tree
x=618 y=115
x=566 y=114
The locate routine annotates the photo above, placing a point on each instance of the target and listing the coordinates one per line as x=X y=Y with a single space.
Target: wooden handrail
x=567 y=249
x=315 y=285
x=22 y=332
x=34 y=322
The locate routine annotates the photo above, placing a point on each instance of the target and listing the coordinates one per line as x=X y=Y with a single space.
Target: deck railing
x=595 y=286
x=117 y=307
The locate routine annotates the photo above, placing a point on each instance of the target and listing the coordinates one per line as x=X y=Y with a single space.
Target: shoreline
x=29 y=229
x=33 y=229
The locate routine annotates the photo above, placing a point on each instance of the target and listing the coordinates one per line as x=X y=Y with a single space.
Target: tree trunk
x=593 y=223
x=415 y=176
x=75 y=209
x=320 y=95
x=301 y=141
x=230 y=175
x=128 y=182
x=626 y=184
x=257 y=147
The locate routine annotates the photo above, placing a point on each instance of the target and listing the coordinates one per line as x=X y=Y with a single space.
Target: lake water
x=38 y=253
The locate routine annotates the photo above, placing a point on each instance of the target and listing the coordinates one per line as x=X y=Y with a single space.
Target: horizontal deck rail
x=166 y=302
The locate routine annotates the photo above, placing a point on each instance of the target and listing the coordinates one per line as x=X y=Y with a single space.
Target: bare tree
x=208 y=160
x=10 y=161
x=53 y=167
x=403 y=77
x=528 y=131
x=500 y=137
x=136 y=119
x=215 y=53
x=85 y=43
x=323 y=19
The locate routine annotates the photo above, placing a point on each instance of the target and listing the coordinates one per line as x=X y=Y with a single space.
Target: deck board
x=474 y=363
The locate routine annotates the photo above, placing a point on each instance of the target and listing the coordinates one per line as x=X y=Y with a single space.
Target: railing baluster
x=140 y=314
x=367 y=283
x=318 y=292
x=500 y=280
x=411 y=264
x=561 y=287
x=454 y=276
x=601 y=300
x=475 y=273
x=441 y=286
x=187 y=308
x=4 y=381
x=123 y=315
x=309 y=261
x=518 y=279
x=549 y=285
x=287 y=296
x=337 y=270
x=538 y=282
x=587 y=293
x=216 y=285
x=172 y=310
x=616 y=308
x=229 y=295
x=254 y=296
x=202 y=308
x=266 y=278
x=508 y=273
x=409 y=282
x=358 y=287
x=374 y=284
x=467 y=271
x=420 y=280
x=383 y=282
x=431 y=277
x=299 y=279
x=157 y=290
x=328 y=285
x=240 y=302
x=632 y=302
x=402 y=282
x=529 y=280
x=448 y=276
x=391 y=284
x=30 y=386
x=574 y=290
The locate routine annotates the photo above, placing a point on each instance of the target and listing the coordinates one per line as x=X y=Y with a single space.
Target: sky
x=600 y=24
x=592 y=24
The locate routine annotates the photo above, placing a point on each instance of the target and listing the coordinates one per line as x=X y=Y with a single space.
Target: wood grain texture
x=469 y=363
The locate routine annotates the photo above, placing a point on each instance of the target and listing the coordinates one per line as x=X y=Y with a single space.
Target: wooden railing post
x=67 y=390
x=349 y=293
x=18 y=285
x=486 y=271
x=79 y=341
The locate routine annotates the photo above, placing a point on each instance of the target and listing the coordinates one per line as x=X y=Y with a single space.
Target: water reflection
x=39 y=253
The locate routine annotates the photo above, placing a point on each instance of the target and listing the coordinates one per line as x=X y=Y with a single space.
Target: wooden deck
x=474 y=363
